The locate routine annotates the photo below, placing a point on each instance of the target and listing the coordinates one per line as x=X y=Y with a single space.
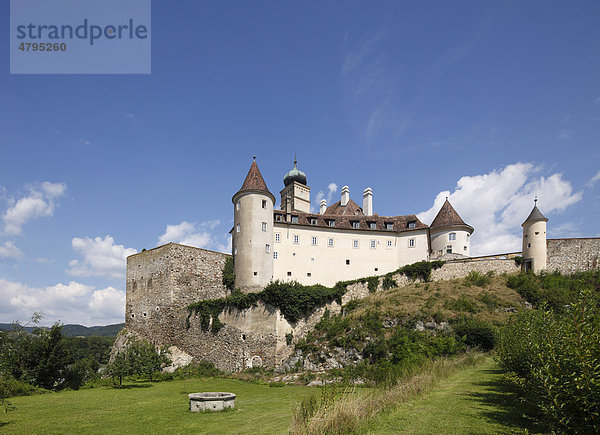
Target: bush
x=229 y=274
x=556 y=355
x=388 y=283
x=474 y=332
x=463 y=304
x=479 y=279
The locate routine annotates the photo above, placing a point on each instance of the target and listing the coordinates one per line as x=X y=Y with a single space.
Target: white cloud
x=39 y=202
x=564 y=135
x=331 y=189
x=593 y=180
x=101 y=257
x=69 y=303
x=496 y=204
x=9 y=250
x=199 y=235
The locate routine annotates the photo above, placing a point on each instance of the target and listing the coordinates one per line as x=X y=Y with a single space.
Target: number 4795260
x=42 y=46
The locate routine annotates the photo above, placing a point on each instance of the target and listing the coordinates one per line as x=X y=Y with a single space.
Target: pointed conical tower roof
x=448 y=217
x=254 y=182
x=535 y=215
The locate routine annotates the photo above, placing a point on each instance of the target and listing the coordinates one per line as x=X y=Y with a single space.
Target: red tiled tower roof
x=448 y=217
x=255 y=182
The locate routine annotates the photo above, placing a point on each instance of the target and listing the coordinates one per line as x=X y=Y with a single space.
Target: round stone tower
x=534 y=241
x=252 y=234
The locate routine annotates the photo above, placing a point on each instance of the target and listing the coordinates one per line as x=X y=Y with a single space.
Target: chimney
x=323 y=206
x=368 y=201
x=345 y=196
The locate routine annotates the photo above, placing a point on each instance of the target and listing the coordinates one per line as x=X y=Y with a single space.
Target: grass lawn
x=154 y=408
x=472 y=401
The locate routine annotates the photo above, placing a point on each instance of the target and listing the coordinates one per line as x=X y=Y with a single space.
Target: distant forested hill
x=79 y=330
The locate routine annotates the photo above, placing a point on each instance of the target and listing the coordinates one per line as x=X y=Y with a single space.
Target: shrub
x=463 y=304
x=372 y=283
x=479 y=279
x=229 y=274
x=474 y=332
x=388 y=283
x=556 y=355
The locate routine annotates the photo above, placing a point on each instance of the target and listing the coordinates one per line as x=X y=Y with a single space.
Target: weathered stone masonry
x=572 y=255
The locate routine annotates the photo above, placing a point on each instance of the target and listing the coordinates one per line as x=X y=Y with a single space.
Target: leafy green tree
x=145 y=359
x=119 y=367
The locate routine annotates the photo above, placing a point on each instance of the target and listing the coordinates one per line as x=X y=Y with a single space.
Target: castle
x=341 y=242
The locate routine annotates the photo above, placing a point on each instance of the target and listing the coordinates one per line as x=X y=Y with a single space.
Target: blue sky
x=489 y=103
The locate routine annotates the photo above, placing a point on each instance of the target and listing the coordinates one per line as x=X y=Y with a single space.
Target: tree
x=119 y=367
x=145 y=359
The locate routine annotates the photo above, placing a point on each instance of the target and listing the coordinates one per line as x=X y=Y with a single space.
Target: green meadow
x=160 y=407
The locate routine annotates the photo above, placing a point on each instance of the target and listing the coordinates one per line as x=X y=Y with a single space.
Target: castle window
x=448 y=249
x=452 y=236
x=330 y=223
x=296 y=238
x=355 y=224
x=537 y=232
x=268 y=248
x=529 y=245
x=347 y=262
x=289 y=274
x=412 y=243
x=237 y=228
x=372 y=244
x=330 y=242
x=275 y=255
x=308 y=274
x=264 y=203
x=389 y=226
x=235 y=250
x=264 y=226
x=277 y=237
x=313 y=221
x=277 y=218
x=469 y=236
x=464 y=248
x=373 y=225
x=389 y=243
x=314 y=240
x=412 y=224
x=376 y=269
x=355 y=243
x=294 y=219
x=237 y=205
x=255 y=273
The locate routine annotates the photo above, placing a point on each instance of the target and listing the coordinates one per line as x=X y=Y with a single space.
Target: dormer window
x=330 y=223
x=373 y=225
x=355 y=224
x=389 y=226
x=294 y=219
x=313 y=221
x=412 y=224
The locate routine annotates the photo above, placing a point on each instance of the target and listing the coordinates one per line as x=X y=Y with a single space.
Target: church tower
x=295 y=196
x=534 y=241
x=252 y=234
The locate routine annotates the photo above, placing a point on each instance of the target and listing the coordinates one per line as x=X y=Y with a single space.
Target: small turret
x=252 y=234
x=534 y=241
x=450 y=235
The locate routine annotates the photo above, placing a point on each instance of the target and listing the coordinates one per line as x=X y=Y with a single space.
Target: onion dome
x=295 y=175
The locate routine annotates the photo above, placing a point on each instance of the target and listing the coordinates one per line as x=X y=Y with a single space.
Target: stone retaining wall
x=572 y=255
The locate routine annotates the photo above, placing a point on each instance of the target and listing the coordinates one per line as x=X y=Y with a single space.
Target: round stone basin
x=211 y=401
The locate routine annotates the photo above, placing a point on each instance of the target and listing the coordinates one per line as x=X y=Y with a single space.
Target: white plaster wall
x=535 y=235
x=253 y=265
x=441 y=239
x=327 y=265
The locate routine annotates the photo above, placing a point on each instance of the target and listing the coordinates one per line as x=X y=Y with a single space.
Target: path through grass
x=156 y=408
x=472 y=401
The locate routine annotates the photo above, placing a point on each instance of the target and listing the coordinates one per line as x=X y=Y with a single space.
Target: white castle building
x=343 y=241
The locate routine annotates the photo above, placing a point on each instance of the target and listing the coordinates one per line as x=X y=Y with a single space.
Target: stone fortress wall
x=572 y=255
x=163 y=281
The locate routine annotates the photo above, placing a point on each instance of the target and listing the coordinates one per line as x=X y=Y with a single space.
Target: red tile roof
x=350 y=209
x=254 y=182
x=448 y=217
x=399 y=223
